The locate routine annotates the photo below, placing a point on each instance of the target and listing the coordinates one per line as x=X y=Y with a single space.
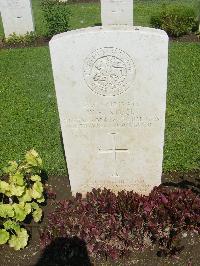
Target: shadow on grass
x=184 y=184
x=97 y=24
x=65 y=252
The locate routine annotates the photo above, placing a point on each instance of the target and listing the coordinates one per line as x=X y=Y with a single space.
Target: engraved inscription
x=109 y=71
x=111 y=122
x=104 y=183
x=112 y=115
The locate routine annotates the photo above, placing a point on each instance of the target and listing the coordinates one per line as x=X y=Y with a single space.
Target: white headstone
x=16 y=16
x=111 y=91
x=117 y=12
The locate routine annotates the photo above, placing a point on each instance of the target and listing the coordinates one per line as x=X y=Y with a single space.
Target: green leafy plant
x=198 y=16
x=21 y=192
x=14 y=39
x=176 y=20
x=57 y=15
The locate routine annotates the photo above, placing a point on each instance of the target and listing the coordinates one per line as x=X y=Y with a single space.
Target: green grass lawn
x=84 y=15
x=29 y=116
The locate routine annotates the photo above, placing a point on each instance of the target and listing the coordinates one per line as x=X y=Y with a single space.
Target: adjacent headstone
x=116 y=12
x=16 y=16
x=111 y=91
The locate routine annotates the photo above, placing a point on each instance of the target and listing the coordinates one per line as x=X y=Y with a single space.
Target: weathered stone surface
x=117 y=12
x=16 y=16
x=111 y=92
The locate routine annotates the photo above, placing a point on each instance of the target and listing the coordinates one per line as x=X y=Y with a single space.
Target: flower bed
x=116 y=225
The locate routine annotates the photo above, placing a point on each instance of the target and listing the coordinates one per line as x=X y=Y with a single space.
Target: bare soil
x=39 y=41
x=44 y=41
x=186 y=38
x=52 y=256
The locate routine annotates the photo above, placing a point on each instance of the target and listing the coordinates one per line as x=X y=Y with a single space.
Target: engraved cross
x=115 y=150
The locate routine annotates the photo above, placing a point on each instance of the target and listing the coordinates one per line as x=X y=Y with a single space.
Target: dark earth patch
x=44 y=41
x=39 y=41
x=186 y=38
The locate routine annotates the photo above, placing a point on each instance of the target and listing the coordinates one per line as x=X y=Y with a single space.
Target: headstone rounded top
x=122 y=28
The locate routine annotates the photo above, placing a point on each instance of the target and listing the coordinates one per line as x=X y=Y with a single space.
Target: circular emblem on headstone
x=109 y=71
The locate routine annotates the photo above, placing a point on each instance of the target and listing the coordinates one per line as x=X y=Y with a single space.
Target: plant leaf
x=21 y=210
x=40 y=200
x=6 y=210
x=17 y=179
x=34 y=206
x=35 y=178
x=33 y=158
x=16 y=190
x=37 y=215
x=28 y=208
x=19 y=240
x=11 y=168
x=26 y=196
x=11 y=225
x=4 y=187
x=4 y=236
x=37 y=190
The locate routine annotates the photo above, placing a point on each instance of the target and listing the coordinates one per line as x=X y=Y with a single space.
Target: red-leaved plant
x=115 y=225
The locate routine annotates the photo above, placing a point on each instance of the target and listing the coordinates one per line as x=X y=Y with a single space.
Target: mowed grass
x=29 y=116
x=182 y=138
x=88 y=14
x=28 y=108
